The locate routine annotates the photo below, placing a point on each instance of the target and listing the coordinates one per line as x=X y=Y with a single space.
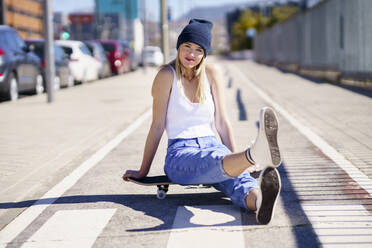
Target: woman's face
x=190 y=54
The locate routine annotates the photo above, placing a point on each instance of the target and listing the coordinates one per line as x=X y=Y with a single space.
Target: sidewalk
x=40 y=143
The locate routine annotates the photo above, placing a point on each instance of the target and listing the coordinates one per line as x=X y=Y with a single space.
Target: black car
x=19 y=67
x=63 y=76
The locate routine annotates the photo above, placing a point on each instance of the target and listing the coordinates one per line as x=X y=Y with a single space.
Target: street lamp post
x=49 y=50
x=164 y=27
x=2 y=12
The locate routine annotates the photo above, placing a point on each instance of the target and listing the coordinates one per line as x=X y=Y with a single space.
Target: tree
x=248 y=19
x=252 y=19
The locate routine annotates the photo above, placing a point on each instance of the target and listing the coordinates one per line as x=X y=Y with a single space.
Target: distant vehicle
x=152 y=55
x=19 y=67
x=133 y=61
x=82 y=64
x=100 y=55
x=119 y=58
x=63 y=76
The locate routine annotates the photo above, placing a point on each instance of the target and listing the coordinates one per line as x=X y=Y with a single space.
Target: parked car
x=19 y=67
x=99 y=54
x=133 y=60
x=63 y=76
x=119 y=58
x=152 y=55
x=82 y=65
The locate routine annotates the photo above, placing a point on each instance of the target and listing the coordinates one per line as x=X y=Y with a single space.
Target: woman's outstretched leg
x=263 y=199
x=267 y=195
x=264 y=150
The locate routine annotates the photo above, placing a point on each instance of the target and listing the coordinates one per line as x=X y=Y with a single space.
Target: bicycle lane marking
x=354 y=173
x=340 y=224
x=14 y=228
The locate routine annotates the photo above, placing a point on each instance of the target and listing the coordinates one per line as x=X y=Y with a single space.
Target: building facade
x=25 y=16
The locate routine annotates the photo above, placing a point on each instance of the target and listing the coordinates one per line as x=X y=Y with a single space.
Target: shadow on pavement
x=241 y=107
x=164 y=210
x=301 y=227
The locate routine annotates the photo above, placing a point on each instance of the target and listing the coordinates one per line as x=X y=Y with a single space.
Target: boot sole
x=270 y=186
x=271 y=130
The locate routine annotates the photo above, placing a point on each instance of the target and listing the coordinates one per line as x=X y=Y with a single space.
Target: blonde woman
x=188 y=101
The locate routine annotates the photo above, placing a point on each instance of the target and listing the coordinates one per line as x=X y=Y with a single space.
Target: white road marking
x=71 y=228
x=207 y=226
x=13 y=229
x=327 y=149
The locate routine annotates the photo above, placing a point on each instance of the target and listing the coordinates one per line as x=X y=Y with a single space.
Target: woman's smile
x=190 y=59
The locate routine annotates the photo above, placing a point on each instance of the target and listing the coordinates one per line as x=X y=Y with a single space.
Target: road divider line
x=319 y=142
x=13 y=229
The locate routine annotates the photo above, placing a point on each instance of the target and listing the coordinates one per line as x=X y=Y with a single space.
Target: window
x=85 y=50
x=58 y=53
x=109 y=47
x=3 y=40
x=19 y=42
x=90 y=47
x=10 y=41
x=68 y=50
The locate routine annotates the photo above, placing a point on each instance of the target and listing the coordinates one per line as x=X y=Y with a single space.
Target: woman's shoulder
x=163 y=81
x=165 y=73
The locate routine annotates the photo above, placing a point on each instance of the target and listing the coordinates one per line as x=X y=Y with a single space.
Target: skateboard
x=161 y=182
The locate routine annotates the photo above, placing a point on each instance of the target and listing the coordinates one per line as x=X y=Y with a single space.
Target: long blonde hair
x=199 y=73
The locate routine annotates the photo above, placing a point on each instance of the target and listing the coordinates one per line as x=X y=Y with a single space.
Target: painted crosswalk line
x=71 y=228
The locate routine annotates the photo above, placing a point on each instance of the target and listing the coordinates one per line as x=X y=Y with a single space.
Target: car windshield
x=150 y=52
x=108 y=47
x=2 y=40
x=68 y=50
x=85 y=50
x=90 y=47
x=38 y=49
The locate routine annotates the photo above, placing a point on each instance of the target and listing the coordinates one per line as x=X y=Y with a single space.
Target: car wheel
x=39 y=87
x=13 y=88
x=70 y=82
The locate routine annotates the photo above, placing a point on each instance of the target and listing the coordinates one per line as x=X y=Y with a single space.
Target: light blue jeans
x=199 y=161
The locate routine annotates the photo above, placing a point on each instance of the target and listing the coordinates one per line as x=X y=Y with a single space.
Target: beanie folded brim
x=194 y=38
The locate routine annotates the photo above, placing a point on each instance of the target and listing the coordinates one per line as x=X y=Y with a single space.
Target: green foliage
x=250 y=19
x=280 y=14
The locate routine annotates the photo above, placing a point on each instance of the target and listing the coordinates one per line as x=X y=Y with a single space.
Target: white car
x=153 y=55
x=82 y=65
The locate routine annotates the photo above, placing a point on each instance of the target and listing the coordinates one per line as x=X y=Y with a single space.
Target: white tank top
x=186 y=119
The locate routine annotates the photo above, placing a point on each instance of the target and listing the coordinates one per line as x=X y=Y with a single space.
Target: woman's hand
x=134 y=174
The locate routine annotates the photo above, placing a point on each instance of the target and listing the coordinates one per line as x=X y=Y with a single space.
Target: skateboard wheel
x=161 y=194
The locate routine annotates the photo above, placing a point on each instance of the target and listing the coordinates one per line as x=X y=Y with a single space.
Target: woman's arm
x=222 y=122
x=160 y=92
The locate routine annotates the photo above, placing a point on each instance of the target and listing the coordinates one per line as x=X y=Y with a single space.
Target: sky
x=178 y=7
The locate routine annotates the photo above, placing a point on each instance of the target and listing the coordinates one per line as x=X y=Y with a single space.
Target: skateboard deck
x=162 y=183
